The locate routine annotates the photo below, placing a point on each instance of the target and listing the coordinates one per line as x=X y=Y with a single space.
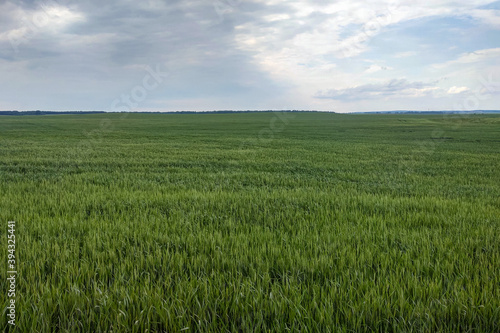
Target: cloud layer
x=255 y=54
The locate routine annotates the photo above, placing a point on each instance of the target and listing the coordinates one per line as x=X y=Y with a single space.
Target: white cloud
x=276 y=17
x=377 y=68
x=54 y=17
x=44 y=19
x=457 y=90
x=490 y=17
x=478 y=56
x=395 y=87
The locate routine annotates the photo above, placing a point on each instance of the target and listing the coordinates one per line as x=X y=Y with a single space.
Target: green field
x=252 y=222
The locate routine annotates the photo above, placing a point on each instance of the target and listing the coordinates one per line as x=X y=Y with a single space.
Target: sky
x=202 y=55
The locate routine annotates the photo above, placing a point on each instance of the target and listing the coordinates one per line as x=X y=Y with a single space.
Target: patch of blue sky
x=434 y=40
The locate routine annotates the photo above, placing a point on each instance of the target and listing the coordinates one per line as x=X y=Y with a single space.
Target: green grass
x=243 y=222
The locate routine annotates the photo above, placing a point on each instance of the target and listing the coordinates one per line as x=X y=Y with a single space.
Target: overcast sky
x=161 y=55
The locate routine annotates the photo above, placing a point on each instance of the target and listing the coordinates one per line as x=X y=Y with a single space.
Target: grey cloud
x=369 y=91
x=190 y=38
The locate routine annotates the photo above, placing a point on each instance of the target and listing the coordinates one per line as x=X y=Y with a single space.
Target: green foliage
x=252 y=222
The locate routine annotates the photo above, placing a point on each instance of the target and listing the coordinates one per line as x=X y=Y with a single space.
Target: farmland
x=252 y=222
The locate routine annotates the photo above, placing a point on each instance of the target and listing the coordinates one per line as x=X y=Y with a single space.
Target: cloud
x=101 y=48
x=457 y=90
x=485 y=55
x=490 y=17
x=377 y=68
x=255 y=53
x=323 y=37
x=395 y=87
x=48 y=17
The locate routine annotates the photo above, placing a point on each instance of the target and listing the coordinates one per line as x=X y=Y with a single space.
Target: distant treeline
x=41 y=113
x=427 y=112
